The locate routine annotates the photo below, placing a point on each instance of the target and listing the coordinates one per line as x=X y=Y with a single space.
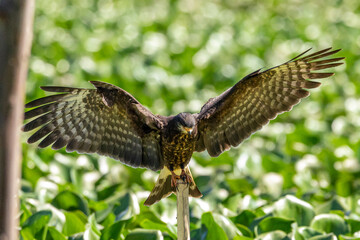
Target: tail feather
x=193 y=189
x=163 y=187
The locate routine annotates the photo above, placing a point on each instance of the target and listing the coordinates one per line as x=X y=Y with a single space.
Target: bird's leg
x=174 y=179
x=185 y=177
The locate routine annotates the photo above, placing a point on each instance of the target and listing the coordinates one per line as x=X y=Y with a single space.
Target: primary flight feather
x=109 y=121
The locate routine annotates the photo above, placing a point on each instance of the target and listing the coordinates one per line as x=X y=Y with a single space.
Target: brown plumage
x=109 y=121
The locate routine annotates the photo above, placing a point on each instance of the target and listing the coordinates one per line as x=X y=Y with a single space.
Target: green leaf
x=108 y=191
x=102 y=210
x=231 y=202
x=35 y=224
x=239 y=185
x=54 y=234
x=307 y=232
x=77 y=178
x=229 y=227
x=92 y=231
x=219 y=227
x=333 y=204
x=329 y=223
x=199 y=233
x=353 y=224
x=25 y=213
x=78 y=236
x=341 y=237
x=244 y=218
x=324 y=237
x=75 y=222
x=129 y=207
x=293 y=208
x=70 y=201
x=148 y=215
x=270 y=224
x=113 y=231
x=344 y=186
x=242 y=238
x=244 y=230
x=142 y=234
x=274 y=235
x=147 y=224
x=214 y=231
x=338 y=212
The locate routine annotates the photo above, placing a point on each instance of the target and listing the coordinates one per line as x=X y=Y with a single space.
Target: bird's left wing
x=106 y=120
x=233 y=116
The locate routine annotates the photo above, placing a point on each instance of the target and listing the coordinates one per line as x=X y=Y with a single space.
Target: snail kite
x=109 y=121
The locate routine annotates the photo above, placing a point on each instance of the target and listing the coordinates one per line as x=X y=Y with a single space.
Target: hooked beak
x=188 y=130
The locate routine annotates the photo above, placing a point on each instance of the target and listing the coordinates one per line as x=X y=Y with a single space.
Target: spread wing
x=233 y=116
x=106 y=120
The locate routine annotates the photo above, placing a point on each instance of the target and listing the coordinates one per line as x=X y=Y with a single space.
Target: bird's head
x=185 y=123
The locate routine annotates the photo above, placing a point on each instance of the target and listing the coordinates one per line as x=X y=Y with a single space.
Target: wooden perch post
x=183 y=219
x=16 y=18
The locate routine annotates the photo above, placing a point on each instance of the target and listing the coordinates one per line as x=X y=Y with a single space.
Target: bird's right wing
x=106 y=120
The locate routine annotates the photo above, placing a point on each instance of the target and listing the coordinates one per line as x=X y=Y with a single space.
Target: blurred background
x=173 y=56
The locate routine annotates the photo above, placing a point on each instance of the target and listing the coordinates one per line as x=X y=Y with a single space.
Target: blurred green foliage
x=297 y=178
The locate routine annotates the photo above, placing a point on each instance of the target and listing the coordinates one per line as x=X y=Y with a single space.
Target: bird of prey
x=109 y=121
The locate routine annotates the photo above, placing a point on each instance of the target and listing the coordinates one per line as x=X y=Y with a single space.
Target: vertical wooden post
x=183 y=219
x=16 y=19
